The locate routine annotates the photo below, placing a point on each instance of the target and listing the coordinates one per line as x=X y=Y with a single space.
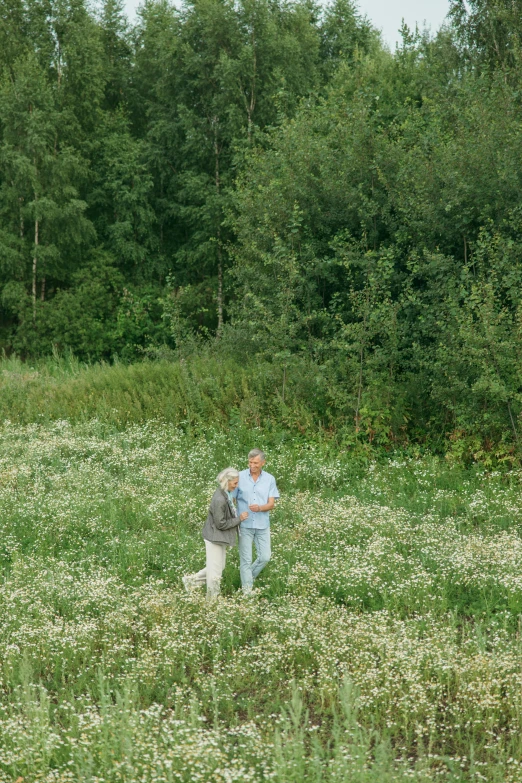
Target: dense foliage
x=119 y=150
x=266 y=177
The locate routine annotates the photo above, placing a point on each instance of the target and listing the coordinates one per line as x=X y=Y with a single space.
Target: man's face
x=255 y=464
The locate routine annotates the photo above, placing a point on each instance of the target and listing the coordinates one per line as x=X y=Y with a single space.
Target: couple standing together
x=256 y=492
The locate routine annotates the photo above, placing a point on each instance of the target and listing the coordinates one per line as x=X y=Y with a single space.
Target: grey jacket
x=221 y=525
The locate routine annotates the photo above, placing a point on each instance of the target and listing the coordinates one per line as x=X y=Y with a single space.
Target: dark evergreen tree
x=117 y=48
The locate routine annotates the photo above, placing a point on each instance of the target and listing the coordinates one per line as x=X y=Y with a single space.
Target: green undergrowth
x=383 y=644
x=211 y=388
x=193 y=392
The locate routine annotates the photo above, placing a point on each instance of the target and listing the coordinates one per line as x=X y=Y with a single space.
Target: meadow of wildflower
x=383 y=645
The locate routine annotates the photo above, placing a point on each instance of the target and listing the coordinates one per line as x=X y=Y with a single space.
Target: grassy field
x=384 y=644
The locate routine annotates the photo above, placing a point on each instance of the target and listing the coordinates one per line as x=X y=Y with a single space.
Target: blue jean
x=248 y=570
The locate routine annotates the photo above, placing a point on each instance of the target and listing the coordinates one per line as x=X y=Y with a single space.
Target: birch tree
x=44 y=217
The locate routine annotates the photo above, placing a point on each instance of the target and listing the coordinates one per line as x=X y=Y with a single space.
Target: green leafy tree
x=345 y=36
x=224 y=67
x=489 y=31
x=119 y=198
x=44 y=216
x=117 y=50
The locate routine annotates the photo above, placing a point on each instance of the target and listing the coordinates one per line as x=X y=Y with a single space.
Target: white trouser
x=211 y=574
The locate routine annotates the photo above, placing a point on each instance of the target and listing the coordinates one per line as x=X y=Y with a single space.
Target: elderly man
x=256 y=493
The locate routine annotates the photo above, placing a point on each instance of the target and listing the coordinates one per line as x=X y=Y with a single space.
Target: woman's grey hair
x=225 y=476
x=256 y=453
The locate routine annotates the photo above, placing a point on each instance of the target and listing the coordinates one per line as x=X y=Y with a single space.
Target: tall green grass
x=197 y=391
x=383 y=645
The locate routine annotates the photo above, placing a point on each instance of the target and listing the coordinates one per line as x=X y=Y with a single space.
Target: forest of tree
x=266 y=177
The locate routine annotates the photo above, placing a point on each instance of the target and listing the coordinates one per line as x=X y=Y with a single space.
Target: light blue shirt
x=250 y=492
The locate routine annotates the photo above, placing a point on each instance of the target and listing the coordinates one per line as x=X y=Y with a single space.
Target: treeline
x=266 y=180
x=120 y=147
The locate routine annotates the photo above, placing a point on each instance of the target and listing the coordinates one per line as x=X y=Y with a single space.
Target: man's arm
x=264 y=507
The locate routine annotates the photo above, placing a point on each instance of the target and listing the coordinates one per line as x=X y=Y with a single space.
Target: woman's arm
x=222 y=520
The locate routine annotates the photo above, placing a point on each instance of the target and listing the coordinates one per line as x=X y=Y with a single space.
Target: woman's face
x=232 y=484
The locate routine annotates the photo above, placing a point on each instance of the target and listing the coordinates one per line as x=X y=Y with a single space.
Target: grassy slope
x=193 y=393
x=383 y=646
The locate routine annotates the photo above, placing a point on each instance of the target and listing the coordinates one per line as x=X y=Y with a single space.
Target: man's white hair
x=256 y=453
x=225 y=476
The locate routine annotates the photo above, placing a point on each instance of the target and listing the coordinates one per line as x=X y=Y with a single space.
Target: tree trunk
x=35 y=262
x=252 y=104
x=219 y=251
x=515 y=433
x=361 y=362
x=359 y=391
x=42 y=297
x=20 y=205
x=220 y=288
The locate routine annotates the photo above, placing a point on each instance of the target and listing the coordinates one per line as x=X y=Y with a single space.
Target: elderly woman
x=220 y=532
